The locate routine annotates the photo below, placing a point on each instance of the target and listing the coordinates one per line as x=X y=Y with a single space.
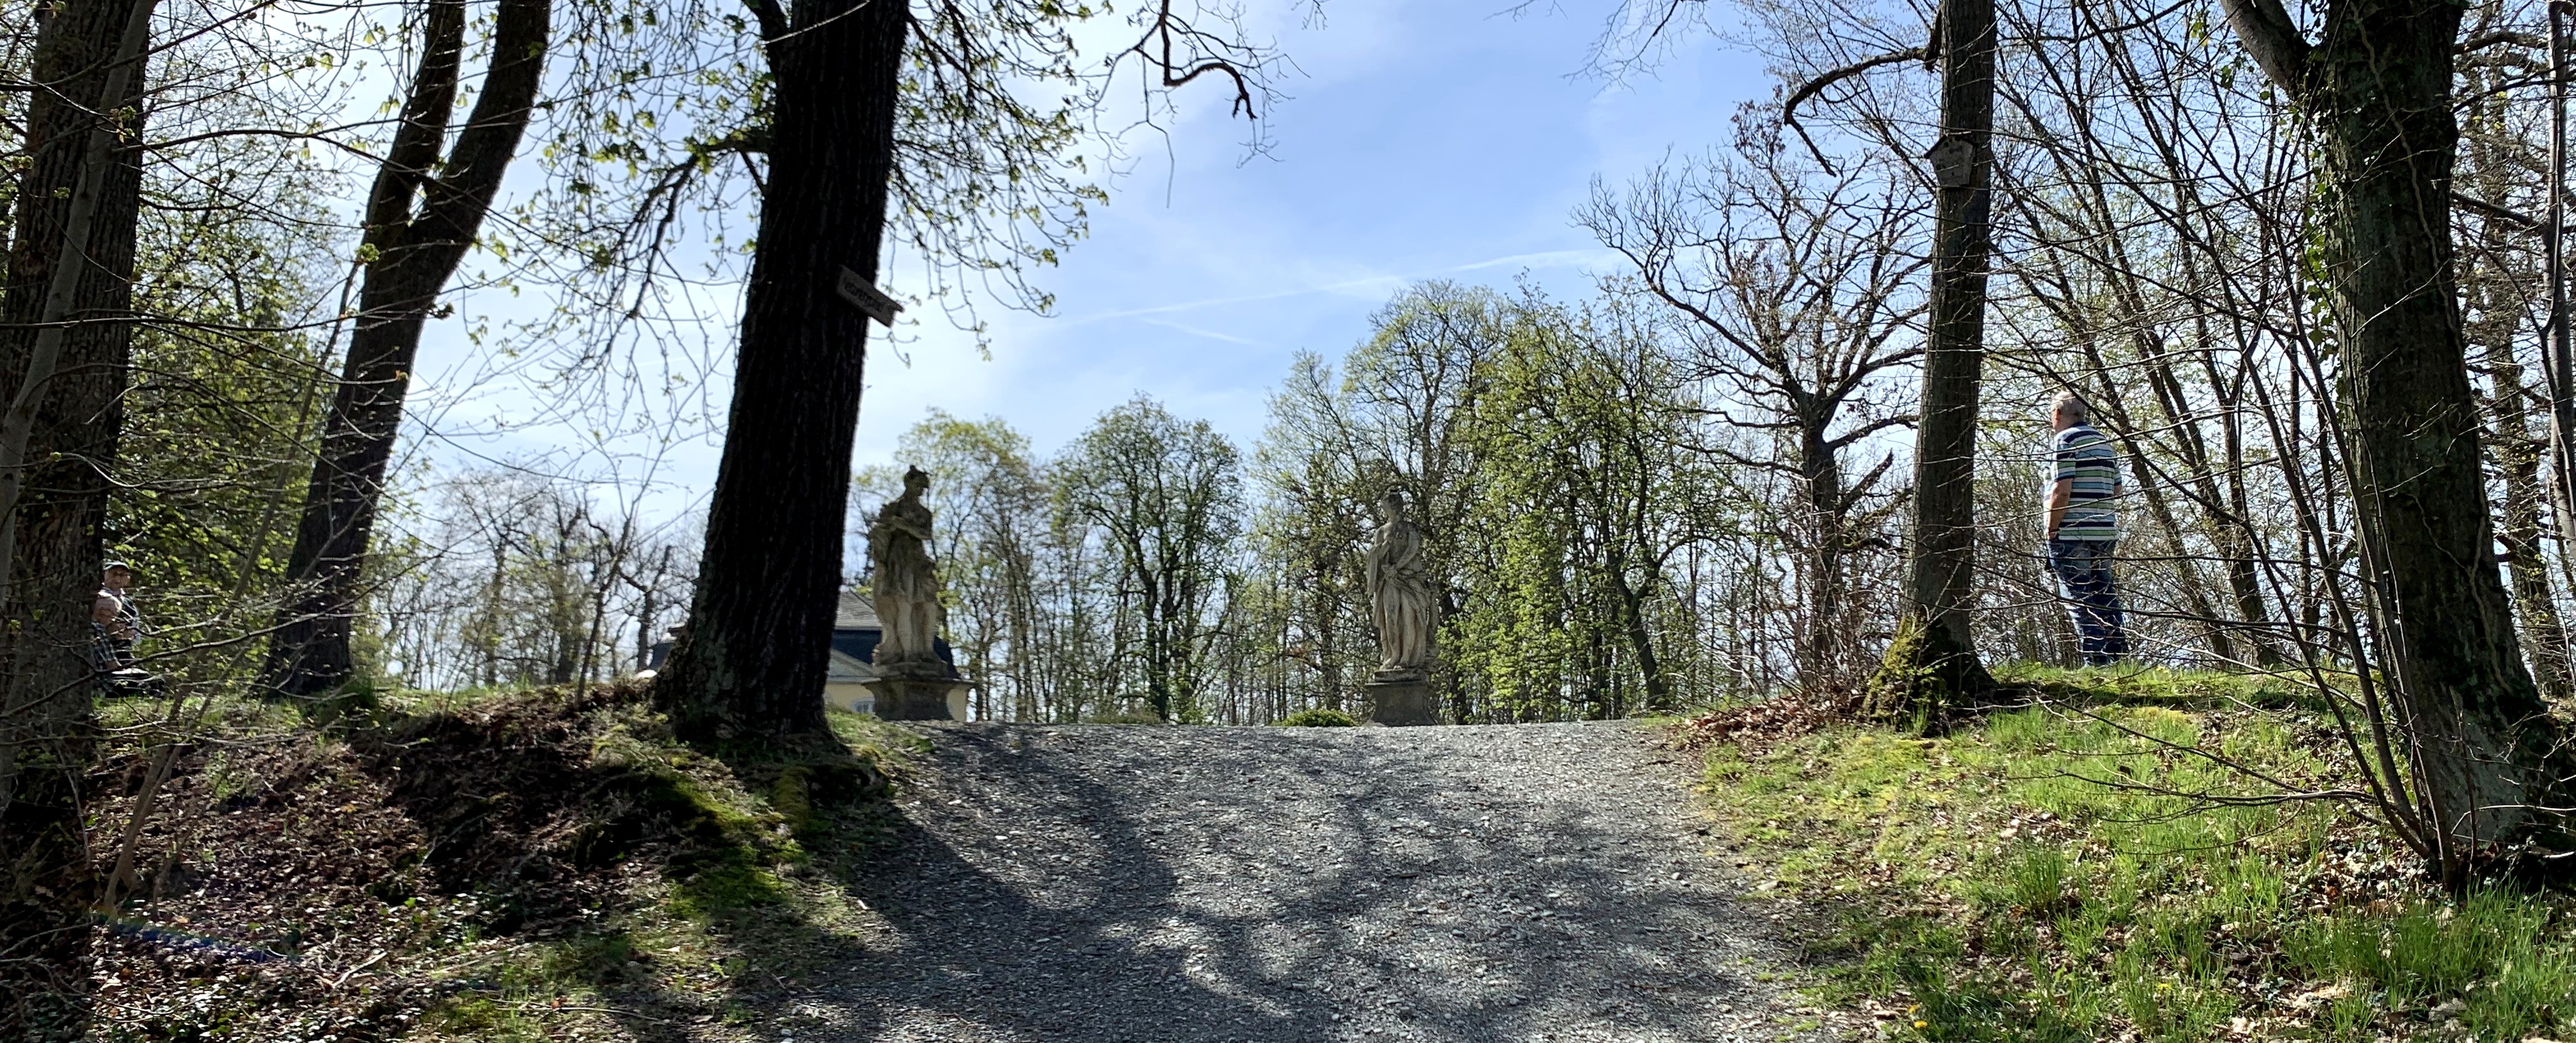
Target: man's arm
x=2059 y=496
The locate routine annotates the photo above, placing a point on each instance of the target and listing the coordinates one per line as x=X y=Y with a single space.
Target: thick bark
x=46 y=727
x=2378 y=89
x=760 y=623
x=1934 y=669
x=415 y=248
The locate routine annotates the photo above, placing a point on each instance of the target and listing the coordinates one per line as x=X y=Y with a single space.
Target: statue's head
x=915 y=481
x=1390 y=507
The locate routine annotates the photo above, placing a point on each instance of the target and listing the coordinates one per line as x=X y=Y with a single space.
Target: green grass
x=686 y=884
x=1318 y=717
x=887 y=744
x=755 y=892
x=2187 y=689
x=2014 y=881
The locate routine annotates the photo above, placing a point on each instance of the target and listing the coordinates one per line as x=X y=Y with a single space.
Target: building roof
x=855 y=631
x=844 y=668
x=857 y=613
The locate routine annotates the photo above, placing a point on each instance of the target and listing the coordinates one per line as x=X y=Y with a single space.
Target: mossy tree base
x=1928 y=680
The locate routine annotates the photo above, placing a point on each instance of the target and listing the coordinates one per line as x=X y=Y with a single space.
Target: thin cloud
x=1196 y=331
x=1540 y=259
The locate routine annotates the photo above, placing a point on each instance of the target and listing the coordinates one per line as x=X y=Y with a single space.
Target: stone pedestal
x=1402 y=701
x=919 y=698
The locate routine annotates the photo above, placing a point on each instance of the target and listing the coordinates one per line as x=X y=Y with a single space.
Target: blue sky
x=1419 y=139
x=1429 y=139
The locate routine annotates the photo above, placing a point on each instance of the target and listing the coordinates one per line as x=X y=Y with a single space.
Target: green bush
x=1318 y=718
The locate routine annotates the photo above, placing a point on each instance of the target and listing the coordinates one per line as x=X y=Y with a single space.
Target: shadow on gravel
x=1361 y=893
x=984 y=960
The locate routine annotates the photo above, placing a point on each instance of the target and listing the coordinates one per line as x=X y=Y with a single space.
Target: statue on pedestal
x=912 y=682
x=1403 y=606
x=907 y=584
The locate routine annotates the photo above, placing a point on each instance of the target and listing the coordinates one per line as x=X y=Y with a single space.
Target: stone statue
x=907 y=585
x=1400 y=598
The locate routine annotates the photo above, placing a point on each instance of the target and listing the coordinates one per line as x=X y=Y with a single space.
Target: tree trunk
x=2484 y=751
x=1820 y=640
x=760 y=624
x=1327 y=621
x=1932 y=670
x=2517 y=454
x=2484 y=741
x=2489 y=151
x=414 y=249
x=2231 y=532
x=1641 y=641
x=46 y=728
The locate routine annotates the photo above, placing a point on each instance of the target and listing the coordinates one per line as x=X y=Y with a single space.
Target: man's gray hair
x=2072 y=406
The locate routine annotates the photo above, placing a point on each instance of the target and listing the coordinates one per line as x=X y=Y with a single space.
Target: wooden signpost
x=864 y=295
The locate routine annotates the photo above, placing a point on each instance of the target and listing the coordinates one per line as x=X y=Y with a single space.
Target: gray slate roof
x=857 y=613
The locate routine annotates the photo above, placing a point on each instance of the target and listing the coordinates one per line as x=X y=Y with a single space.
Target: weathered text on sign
x=864 y=295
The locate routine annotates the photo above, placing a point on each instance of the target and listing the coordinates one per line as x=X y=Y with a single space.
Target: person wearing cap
x=2084 y=529
x=113 y=617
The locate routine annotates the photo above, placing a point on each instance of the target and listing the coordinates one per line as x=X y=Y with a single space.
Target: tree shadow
x=1335 y=887
x=1066 y=883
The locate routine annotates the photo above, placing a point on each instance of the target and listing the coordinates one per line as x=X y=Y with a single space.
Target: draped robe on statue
x=1400 y=598
x=906 y=584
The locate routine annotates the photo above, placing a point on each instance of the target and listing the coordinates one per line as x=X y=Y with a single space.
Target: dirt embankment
x=304 y=884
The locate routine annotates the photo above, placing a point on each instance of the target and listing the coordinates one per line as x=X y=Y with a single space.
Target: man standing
x=2083 y=529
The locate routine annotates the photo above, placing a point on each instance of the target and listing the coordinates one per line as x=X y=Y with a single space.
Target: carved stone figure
x=1400 y=596
x=906 y=583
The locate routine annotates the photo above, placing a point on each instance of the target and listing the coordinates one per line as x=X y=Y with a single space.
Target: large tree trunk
x=1932 y=669
x=2484 y=752
x=415 y=248
x=1819 y=641
x=760 y=624
x=46 y=728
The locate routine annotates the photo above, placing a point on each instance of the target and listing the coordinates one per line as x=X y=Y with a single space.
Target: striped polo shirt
x=2084 y=455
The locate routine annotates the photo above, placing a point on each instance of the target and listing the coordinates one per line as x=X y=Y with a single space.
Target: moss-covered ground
x=2075 y=870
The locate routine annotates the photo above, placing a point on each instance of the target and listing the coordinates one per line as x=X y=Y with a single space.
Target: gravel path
x=1110 y=884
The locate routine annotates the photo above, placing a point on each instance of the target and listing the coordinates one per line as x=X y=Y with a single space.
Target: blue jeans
x=2083 y=569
